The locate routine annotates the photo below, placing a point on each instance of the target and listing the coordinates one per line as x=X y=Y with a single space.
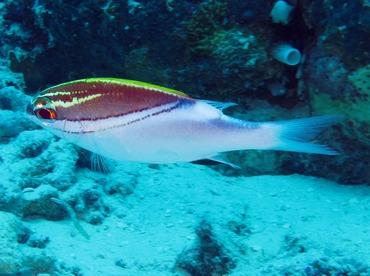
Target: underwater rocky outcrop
x=21 y=250
x=336 y=75
x=208 y=256
x=211 y=49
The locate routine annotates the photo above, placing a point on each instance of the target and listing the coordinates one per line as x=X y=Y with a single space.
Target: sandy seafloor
x=293 y=222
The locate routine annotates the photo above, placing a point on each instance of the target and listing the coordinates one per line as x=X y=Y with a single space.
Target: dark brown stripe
x=116 y=100
x=178 y=105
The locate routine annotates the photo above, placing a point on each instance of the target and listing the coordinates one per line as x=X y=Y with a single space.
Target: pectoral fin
x=100 y=163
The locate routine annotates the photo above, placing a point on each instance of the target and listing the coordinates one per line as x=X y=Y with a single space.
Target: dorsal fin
x=219 y=105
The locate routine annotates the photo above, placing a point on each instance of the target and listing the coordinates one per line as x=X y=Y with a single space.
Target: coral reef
x=209 y=19
x=8 y=78
x=335 y=76
x=210 y=49
x=10 y=261
x=20 y=249
x=208 y=257
x=344 y=28
x=50 y=44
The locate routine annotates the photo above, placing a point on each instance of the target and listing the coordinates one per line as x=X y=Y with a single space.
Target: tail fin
x=295 y=135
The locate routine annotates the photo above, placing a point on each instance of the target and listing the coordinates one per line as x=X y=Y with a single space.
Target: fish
x=133 y=121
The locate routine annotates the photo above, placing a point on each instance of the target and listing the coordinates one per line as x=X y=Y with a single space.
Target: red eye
x=46 y=114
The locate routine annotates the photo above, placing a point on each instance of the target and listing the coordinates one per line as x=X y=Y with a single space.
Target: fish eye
x=44 y=109
x=46 y=113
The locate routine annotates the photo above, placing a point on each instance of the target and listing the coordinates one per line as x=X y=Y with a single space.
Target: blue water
x=281 y=213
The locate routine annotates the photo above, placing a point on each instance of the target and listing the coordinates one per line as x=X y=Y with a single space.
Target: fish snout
x=29 y=109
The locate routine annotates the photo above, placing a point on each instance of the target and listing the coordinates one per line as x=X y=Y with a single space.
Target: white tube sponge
x=285 y=53
x=280 y=12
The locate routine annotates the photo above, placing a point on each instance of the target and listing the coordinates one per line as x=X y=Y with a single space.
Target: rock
x=13 y=99
x=13 y=123
x=37 y=202
x=10 y=256
x=208 y=256
x=36 y=157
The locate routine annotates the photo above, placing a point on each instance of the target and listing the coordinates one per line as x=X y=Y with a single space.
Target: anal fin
x=217 y=159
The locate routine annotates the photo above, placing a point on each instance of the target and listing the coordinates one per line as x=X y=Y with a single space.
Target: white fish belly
x=182 y=135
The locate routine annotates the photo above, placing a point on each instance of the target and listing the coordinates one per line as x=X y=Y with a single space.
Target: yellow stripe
x=75 y=101
x=124 y=82
x=139 y=84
